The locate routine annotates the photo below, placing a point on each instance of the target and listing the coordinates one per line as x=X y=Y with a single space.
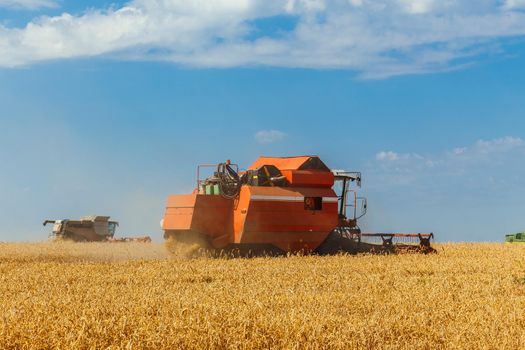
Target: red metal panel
x=213 y=215
x=278 y=216
x=309 y=178
x=209 y=215
x=181 y=200
x=282 y=163
x=240 y=214
x=289 y=221
x=179 y=212
x=177 y=219
x=292 y=191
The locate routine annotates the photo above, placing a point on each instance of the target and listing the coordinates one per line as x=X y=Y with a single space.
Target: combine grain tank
x=283 y=204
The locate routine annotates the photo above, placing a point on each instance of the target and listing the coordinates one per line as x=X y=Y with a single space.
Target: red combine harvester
x=280 y=205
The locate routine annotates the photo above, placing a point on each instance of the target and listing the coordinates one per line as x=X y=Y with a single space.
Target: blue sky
x=108 y=107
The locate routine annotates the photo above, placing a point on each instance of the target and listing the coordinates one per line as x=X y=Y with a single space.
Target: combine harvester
x=92 y=228
x=515 y=238
x=280 y=205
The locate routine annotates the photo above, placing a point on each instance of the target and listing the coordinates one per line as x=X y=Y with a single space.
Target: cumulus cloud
x=269 y=136
x=375 y=38
x=391 y=156
x=499 y=145
x=485 y=160
x=387 y=155
x=28 y=4
x=514 y=4
x=465 y=192
x=480 y=149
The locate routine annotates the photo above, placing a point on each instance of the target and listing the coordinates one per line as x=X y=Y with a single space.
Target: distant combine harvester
x=515 y=238
x=93 y=228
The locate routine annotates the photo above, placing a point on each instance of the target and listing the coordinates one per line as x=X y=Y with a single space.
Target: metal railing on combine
x=214 y=167
x=354 y=204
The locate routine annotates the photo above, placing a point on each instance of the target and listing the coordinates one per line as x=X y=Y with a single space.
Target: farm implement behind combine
x=89 y=229
x=280 y=205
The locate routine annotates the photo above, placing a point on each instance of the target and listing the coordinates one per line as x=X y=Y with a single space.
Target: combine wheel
x=186 y=244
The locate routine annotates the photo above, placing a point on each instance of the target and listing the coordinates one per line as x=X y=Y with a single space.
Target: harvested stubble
x=467 y=296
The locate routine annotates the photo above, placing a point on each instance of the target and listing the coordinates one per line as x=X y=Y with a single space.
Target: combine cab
x=89 y=229
x=281 y=205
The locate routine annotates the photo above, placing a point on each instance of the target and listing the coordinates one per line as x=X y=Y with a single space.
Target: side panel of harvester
x=261 y=215
x=292 y=219
x=85 y=233
x=205 y=214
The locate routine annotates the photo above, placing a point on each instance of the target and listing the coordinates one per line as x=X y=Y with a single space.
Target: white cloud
x=474 y=163
x=269 y=136
x=472 y=192
x=459 y=150
x=28 y=4
x=387 y=155
x=391 y=156
x=515 y=4
x=499 y=145
x=418 y=6
x=376 y=38
x=480 y=149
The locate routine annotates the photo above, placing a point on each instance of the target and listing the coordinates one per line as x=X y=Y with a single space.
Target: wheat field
x=136 y=296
